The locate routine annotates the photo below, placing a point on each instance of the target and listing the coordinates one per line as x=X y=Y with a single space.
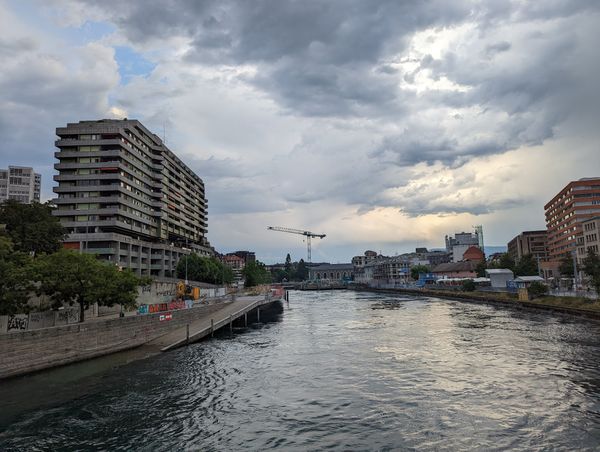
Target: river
x=339 y=370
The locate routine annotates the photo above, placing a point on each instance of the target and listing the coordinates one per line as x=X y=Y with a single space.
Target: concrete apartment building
x=529 y=242
x=20 y=183
x=591 y=238
x=566 y=212
x=460 y=243
x=123 y=195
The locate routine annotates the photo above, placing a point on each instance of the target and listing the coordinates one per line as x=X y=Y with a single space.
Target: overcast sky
x=383 y=124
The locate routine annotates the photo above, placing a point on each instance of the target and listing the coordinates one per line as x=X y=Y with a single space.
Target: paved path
x=202 y=327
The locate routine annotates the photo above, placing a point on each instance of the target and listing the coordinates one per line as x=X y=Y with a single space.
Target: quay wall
x=489 y=298
x=28 y=351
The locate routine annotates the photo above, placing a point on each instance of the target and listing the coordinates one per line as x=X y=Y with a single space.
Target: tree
x=506 y=261
x=537 y=289
x=468 y=285
x=566 y=267
x=288 y=267
x=527 y=266
x=417 y=269
x=256 y=274
x=480 y=269
x=591 y=267
x=31 y=227
x=70 y=277
x=15 y=278
x=204 y=269
x=301 y=271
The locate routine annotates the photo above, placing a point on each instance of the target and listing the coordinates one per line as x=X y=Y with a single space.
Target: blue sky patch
x=132 y=64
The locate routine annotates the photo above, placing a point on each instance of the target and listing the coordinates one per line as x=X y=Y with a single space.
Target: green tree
x=417 y=269
x=15 y=278
x=70 y=277
x=204 y=269
x=566 y=267
x=506 y=261
x=527 y=266
x=256 y=274
x=468 y=285
x=31 y=227
x=481 y=268
x=591 y=267
x=288 y=267
x=537 y=289
x=301 y=271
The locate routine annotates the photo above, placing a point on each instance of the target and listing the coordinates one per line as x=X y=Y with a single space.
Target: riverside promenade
x=206 y=326
x=34 y=350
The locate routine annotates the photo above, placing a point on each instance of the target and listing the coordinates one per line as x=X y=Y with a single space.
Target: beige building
x=21 y=184
x=591 y=238
x=529 y=242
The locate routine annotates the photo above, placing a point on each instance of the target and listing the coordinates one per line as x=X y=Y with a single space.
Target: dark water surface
x=335 y=370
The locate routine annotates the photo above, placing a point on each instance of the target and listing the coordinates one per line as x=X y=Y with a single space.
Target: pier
x=203 y=327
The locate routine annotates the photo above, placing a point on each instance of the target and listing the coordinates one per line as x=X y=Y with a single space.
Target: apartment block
x=591 y=238
x=20 y=183
x=124 y=195
x=565 y=213
x=460 y=243
x=529 y=242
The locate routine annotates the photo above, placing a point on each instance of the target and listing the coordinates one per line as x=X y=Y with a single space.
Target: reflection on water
x=334 y=369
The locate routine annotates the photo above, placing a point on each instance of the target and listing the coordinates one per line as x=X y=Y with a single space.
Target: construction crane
x=309 y=235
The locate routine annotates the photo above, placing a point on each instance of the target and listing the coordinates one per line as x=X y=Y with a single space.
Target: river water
x=338 y=370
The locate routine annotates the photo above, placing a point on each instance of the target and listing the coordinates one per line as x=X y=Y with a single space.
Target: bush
x=468 y=285
x=537 y=289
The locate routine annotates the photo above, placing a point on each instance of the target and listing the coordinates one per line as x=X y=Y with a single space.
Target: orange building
x=473 y=254
x=578 y=201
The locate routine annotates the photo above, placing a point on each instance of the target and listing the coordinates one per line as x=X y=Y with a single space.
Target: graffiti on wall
x=18 y=322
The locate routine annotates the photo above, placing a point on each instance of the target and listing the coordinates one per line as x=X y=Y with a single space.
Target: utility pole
x=574 y=253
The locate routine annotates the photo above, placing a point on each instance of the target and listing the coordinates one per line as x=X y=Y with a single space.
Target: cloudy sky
x=384 y=124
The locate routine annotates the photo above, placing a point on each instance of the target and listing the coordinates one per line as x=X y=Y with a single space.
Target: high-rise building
x=20 y=183
x=578 y=201
x=123 y=195
x=529 y=242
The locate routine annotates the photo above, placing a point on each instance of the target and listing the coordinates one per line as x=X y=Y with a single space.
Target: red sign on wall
x=165 y=317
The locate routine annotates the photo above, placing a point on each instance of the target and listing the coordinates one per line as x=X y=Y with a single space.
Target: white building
x=21 y=184
x=499 y=277
x=460 y=243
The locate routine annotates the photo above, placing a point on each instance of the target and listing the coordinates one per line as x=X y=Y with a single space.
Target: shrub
x=537 y=289
x=468 y=285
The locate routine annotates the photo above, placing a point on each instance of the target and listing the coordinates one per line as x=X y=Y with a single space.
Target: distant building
x=499 y=277
x=529 y=242
x=248 y=256
x=456 y=270
x=361 y=261
x=460 y=243
x=473 y=254
x=21 y=184
x=578 y=201
x=331 y=272
x=591 y=238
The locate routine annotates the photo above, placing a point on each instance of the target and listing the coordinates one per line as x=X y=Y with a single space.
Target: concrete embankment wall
x=480 y=297
x=28 y=351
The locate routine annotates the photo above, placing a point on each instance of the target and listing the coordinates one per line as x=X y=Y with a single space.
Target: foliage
x=506 y=261
x=527 y=266
x=15 y=278
x=591 y=267
x=417 y=269
x=204 y=269
x=288 y=266
x=537 y=289
x=301 y=271
x=480 y=269
x=468 y=286
x=31 y=227
x=566 y=267
x=70 y=277
x=256 y=274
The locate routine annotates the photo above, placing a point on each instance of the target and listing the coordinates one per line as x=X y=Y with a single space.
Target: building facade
x=529 y=242
x=123 y=195
x=565 y=213
x=460 y=243
x=21 y=184
x=331 y=272
x=591 y=238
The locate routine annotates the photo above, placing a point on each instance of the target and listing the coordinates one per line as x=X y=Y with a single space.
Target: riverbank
x=30 y=351
x=565 y=305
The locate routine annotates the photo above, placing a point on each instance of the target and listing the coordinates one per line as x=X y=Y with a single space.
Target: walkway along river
x=332 y=369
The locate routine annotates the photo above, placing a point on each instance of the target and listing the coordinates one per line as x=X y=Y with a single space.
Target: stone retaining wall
x=28 y=351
